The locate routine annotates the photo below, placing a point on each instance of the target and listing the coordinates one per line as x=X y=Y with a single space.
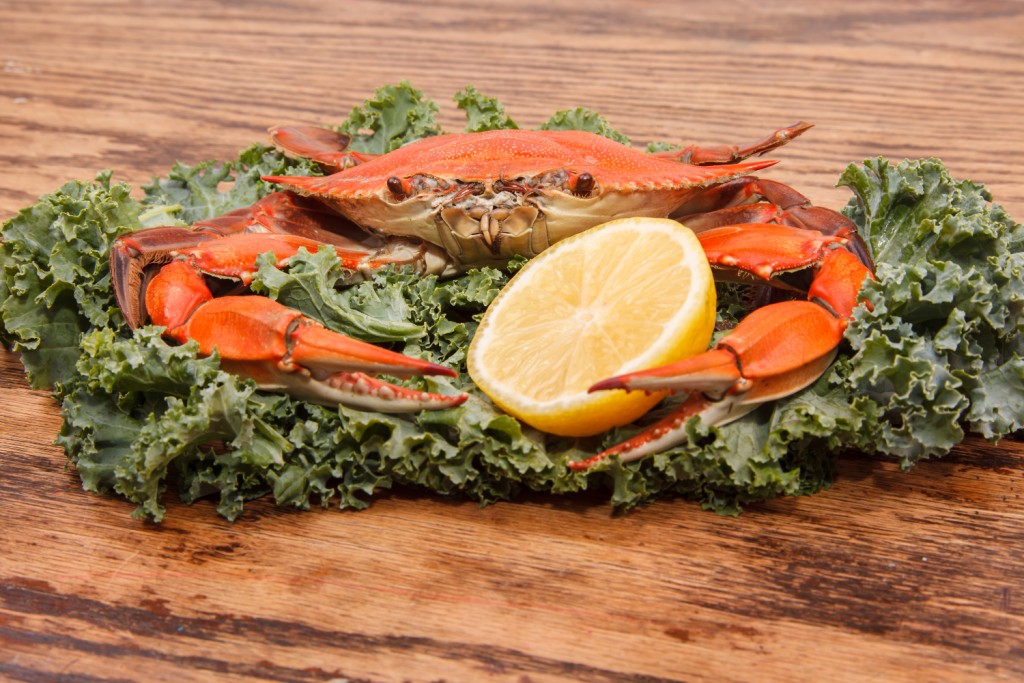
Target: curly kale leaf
x=143 y=408
x=309 y=285
x=192 y=193
x=941 y=345
x=482 y=112
x=55 y=281
x=581 y=118
x=394 y=116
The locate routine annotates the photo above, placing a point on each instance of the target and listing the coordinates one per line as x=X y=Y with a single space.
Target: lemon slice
x=627 y=295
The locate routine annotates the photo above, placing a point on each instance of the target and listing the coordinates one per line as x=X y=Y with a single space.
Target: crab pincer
x=276 y=346
x=772 y=353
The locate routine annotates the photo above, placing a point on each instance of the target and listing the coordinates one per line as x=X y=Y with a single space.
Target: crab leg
x=729 y=154
x=234 y=255
x=737 y=202
x=774 y=352
x=324 y=146
x=292 y=214
x=277 y=346
x=283 y=350
x=764 y=249
x=293 y=219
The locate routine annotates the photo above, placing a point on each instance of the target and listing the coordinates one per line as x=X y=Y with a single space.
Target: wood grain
x=888 y=576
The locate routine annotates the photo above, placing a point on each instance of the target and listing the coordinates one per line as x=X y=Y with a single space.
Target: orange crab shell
x=627 y=182
x=479 y=157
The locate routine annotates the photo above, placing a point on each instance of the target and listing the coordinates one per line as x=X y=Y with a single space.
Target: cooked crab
x=447 y=203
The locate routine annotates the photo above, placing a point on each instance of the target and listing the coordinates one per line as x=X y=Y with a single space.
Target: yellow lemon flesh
x=627 y=295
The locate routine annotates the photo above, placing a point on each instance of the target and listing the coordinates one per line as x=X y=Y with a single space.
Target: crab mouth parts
x=492 y=217
x=499 y=215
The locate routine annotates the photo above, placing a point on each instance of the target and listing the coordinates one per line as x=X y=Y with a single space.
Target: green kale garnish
x=482 y=112
x=395 y=115
x=938 y=350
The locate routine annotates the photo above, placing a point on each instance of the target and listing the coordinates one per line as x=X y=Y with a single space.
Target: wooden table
x=888 y=576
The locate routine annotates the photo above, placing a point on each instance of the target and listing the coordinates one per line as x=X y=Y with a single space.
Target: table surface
x=887 y=576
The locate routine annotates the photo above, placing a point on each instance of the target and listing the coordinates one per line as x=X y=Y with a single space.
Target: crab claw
x=281 y=349
x=774 y=352
x=230 y=245
x=284 y=350
x=131 y=254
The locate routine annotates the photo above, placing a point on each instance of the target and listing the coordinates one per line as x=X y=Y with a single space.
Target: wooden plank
x=887 y=576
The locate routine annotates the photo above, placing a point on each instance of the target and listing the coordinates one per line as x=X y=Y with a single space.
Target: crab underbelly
x=411 y=218
x=524 y=230
x=567 y=215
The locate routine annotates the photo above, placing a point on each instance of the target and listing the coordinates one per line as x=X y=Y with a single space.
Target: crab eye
x=583 y=185
x=578 y=184
x=397 y=188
